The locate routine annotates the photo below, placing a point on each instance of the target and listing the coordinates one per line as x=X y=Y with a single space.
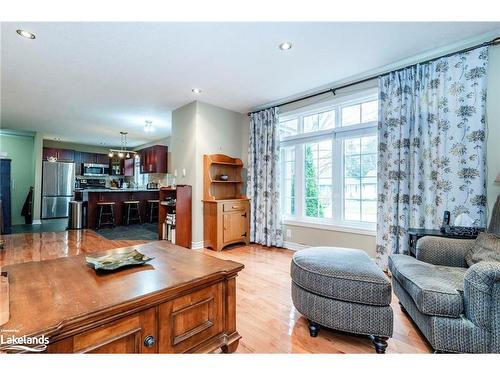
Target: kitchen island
x=92 y=196
x=182 y=301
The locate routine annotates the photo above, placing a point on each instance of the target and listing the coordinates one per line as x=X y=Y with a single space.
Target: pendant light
x=122 y=152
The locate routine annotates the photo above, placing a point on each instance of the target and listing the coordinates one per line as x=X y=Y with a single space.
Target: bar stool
x=132 y=211
x=105 y=211
x=153 y=209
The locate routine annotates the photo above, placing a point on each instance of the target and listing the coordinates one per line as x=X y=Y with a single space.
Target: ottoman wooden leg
x=313 y=328
x=380 y=344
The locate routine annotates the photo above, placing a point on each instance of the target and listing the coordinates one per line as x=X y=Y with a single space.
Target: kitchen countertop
x=105 y=190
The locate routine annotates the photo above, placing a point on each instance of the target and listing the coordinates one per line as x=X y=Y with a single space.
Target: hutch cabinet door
x=234 y=226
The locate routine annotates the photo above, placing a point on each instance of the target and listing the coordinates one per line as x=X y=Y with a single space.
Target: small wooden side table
x=416 y=233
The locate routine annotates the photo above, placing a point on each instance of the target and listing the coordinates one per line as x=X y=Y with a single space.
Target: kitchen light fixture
x=123 y=152
x=285 y=46
x=148 y=127
x=25 y=34
x=196 y=91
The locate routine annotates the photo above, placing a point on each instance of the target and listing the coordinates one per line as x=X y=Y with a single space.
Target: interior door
x=234 y=226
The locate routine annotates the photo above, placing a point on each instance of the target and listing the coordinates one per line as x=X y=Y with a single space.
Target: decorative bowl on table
x=223 y=177
x=111 y=262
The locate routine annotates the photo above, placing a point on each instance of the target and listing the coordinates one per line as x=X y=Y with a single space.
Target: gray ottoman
x=342 y=289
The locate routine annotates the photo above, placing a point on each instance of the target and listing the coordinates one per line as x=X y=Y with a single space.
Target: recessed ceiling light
x=196 y=91
x=285 y=46
x=26 y=34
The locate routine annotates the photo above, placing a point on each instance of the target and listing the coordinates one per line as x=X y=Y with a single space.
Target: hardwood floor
x=266 y=318
x=268 y=322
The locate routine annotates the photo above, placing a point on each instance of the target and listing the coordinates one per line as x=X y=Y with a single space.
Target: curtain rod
x=492 y=42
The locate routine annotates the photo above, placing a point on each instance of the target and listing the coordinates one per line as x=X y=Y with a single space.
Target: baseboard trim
x=197 y=245
x=36 y=222
x=294 y=246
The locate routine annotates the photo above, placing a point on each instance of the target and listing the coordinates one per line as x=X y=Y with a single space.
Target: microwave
x=89 y=169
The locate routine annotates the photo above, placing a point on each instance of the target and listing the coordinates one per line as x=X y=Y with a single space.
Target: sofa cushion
x=436 y=290
x=486 y=248
x=343 y=274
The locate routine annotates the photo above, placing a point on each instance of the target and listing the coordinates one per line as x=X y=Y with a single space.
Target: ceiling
x=86 y=82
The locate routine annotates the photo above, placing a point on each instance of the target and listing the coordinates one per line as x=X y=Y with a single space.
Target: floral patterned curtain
x=431 y=147
x=263 y=179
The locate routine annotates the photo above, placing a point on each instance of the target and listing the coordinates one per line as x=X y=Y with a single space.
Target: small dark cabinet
x=59 y=154
x=5 y=214
x=154 y=159
x=102 y=158
x=128 y=167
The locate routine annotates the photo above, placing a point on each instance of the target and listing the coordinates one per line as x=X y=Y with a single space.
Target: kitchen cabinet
x=128 y=167
x=58 y=153
x=94 y=158
x=102 y=158
x=154 y=159
x=116 y=166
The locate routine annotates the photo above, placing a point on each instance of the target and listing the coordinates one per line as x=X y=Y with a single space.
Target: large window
x=329 y=163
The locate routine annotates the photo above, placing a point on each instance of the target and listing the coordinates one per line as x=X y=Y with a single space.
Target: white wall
x=198 y=129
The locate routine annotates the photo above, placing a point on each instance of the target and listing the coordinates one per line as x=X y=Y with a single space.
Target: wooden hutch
x=176 y=201
x=226 y=213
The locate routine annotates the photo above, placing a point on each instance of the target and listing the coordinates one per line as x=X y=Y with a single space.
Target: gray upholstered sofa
x=456 y=308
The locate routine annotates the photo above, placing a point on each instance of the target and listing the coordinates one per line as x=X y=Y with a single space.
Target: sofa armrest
x=443 y=251
x=482 y=297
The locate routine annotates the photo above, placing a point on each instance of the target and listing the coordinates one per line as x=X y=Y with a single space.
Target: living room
x=167 y=188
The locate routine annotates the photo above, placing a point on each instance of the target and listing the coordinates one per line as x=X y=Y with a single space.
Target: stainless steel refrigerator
x=58 y=179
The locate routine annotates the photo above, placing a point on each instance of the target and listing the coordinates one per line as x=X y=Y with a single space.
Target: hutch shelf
x=225 y=208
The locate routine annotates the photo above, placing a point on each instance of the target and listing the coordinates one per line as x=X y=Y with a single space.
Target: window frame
x=337 y=135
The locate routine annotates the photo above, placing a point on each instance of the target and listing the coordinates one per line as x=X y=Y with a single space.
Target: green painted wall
x=19 y=149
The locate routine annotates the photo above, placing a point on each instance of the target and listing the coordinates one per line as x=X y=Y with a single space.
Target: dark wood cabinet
x=94 y=158
x=78 y=163
x=58 y=153
x=88 y=157
x=116 y=165
x=102 y=158
x=154 y=159
x=182 y=194
x=128 y=167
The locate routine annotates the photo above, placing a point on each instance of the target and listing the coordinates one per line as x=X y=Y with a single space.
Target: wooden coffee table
x=182 y=301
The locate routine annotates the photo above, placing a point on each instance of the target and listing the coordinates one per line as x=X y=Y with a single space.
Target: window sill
x=365 y=231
